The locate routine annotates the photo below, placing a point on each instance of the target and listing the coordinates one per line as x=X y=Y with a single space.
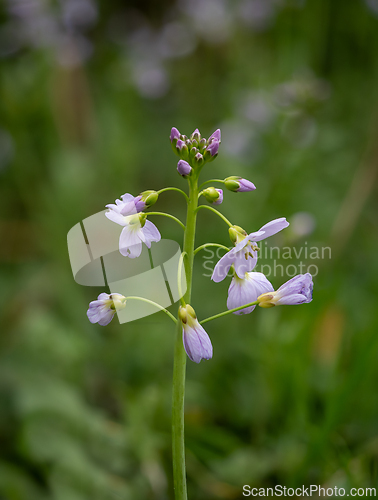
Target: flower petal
x=244 y=265
x=247 y=290
x=129 y=242
x=223 y=266
x=292 y=300
x=197 y=343
x=103 y=296
x=150 y=233
x=106 y=317
x=271 y=228
x=238 y=295
x=116 y=217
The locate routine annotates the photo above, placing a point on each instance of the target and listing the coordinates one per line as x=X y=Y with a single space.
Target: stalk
x=179 y=365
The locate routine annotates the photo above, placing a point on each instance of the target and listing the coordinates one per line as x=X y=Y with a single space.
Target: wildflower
x=183 y=168
x=213 y=195
x=102 y=310
x=238 y=184
x=297 y=290
x=196 y=341
x=244 y=255
x=136 y=229
x=245 y=290
x=129 y=205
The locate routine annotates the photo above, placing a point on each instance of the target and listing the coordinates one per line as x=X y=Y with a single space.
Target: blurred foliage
x=89 y=92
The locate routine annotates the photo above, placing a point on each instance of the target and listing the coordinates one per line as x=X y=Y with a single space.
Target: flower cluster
x=195 y=149
x=247 y=289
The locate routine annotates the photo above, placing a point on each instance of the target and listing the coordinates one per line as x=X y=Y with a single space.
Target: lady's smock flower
x=136 y=230
x=129 y=204
x=102 y=310
x=296 y=291
x=196 y=341
x=244 y=255
x=246 y=290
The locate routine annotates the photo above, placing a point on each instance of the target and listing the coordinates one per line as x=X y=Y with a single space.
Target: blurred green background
x=89 y=93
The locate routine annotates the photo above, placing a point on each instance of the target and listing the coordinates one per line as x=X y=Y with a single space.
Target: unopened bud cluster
x=195 y=150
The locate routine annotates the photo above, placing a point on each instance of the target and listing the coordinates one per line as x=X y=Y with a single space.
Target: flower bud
x=198 y=159
x=149 y=197
x=192 y=153
x=215 y=136
x=175 y=135
x=211 y=152
x=213 y=195
x=202 y=144
x=196 y=136
x=237 y=234
x=183 y=168
x=238 y=184
x=182 y=149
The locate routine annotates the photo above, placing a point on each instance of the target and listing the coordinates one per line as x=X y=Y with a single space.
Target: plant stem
x=210 y=245
x=167 y=215
x=210 y=181
x=224 y=313
x=174 y=189
x=158 y=306
x=216 y=212
x=179 y=366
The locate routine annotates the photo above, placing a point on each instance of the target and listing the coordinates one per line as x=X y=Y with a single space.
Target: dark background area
x=89 y=93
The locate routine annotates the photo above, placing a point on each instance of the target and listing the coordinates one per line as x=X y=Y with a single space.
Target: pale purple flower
x=175 y=134
x=246 y=290
x=183 y=168
x=136 y=230
x=128 y=205
x=297 y=290
x=196 y=341
x=102 y=310
x=244 y=255
x=215 y=136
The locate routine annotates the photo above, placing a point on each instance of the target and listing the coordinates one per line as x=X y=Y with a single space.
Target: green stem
x=216 y=212
x=167 y=215
x=210 y=245
x=210 y=182
x=179 y=273
x=154 y=304
x=224 y=313
x=174 y=189
x=179 y=366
